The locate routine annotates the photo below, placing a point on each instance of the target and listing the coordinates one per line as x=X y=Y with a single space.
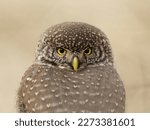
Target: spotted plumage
x=73 y=72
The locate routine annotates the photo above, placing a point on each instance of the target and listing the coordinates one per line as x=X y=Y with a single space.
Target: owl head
x=73 y=46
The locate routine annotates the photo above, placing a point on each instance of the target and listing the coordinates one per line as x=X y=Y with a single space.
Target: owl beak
x=75 y=63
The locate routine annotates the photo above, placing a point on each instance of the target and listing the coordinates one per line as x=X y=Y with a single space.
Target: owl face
x=74 y=60
x=73 y=46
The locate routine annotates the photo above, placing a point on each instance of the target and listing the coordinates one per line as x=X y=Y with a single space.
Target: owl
x=73 y=71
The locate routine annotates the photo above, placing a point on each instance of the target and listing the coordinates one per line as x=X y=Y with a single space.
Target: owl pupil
x=87 y=51
x=62 y=50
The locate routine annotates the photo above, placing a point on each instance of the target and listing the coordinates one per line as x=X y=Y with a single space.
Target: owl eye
x=61 y=51
x=88 y=51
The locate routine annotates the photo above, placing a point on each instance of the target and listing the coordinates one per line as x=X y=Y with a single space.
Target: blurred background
x=126 y=23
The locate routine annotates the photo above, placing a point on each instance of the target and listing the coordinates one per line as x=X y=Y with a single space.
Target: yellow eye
x=61 y=51
x=88 y=51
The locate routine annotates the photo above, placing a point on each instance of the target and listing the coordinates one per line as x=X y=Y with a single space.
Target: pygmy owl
x=73 y=71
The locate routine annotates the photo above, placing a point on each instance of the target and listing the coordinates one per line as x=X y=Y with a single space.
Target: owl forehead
x=74 y=36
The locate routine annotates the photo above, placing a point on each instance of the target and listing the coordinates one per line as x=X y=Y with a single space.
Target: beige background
x=126 y=22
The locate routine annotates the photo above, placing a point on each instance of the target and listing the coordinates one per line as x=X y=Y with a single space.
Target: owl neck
x=45 y=62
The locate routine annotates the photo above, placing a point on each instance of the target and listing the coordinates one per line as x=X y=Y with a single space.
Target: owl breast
x=49 y=89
